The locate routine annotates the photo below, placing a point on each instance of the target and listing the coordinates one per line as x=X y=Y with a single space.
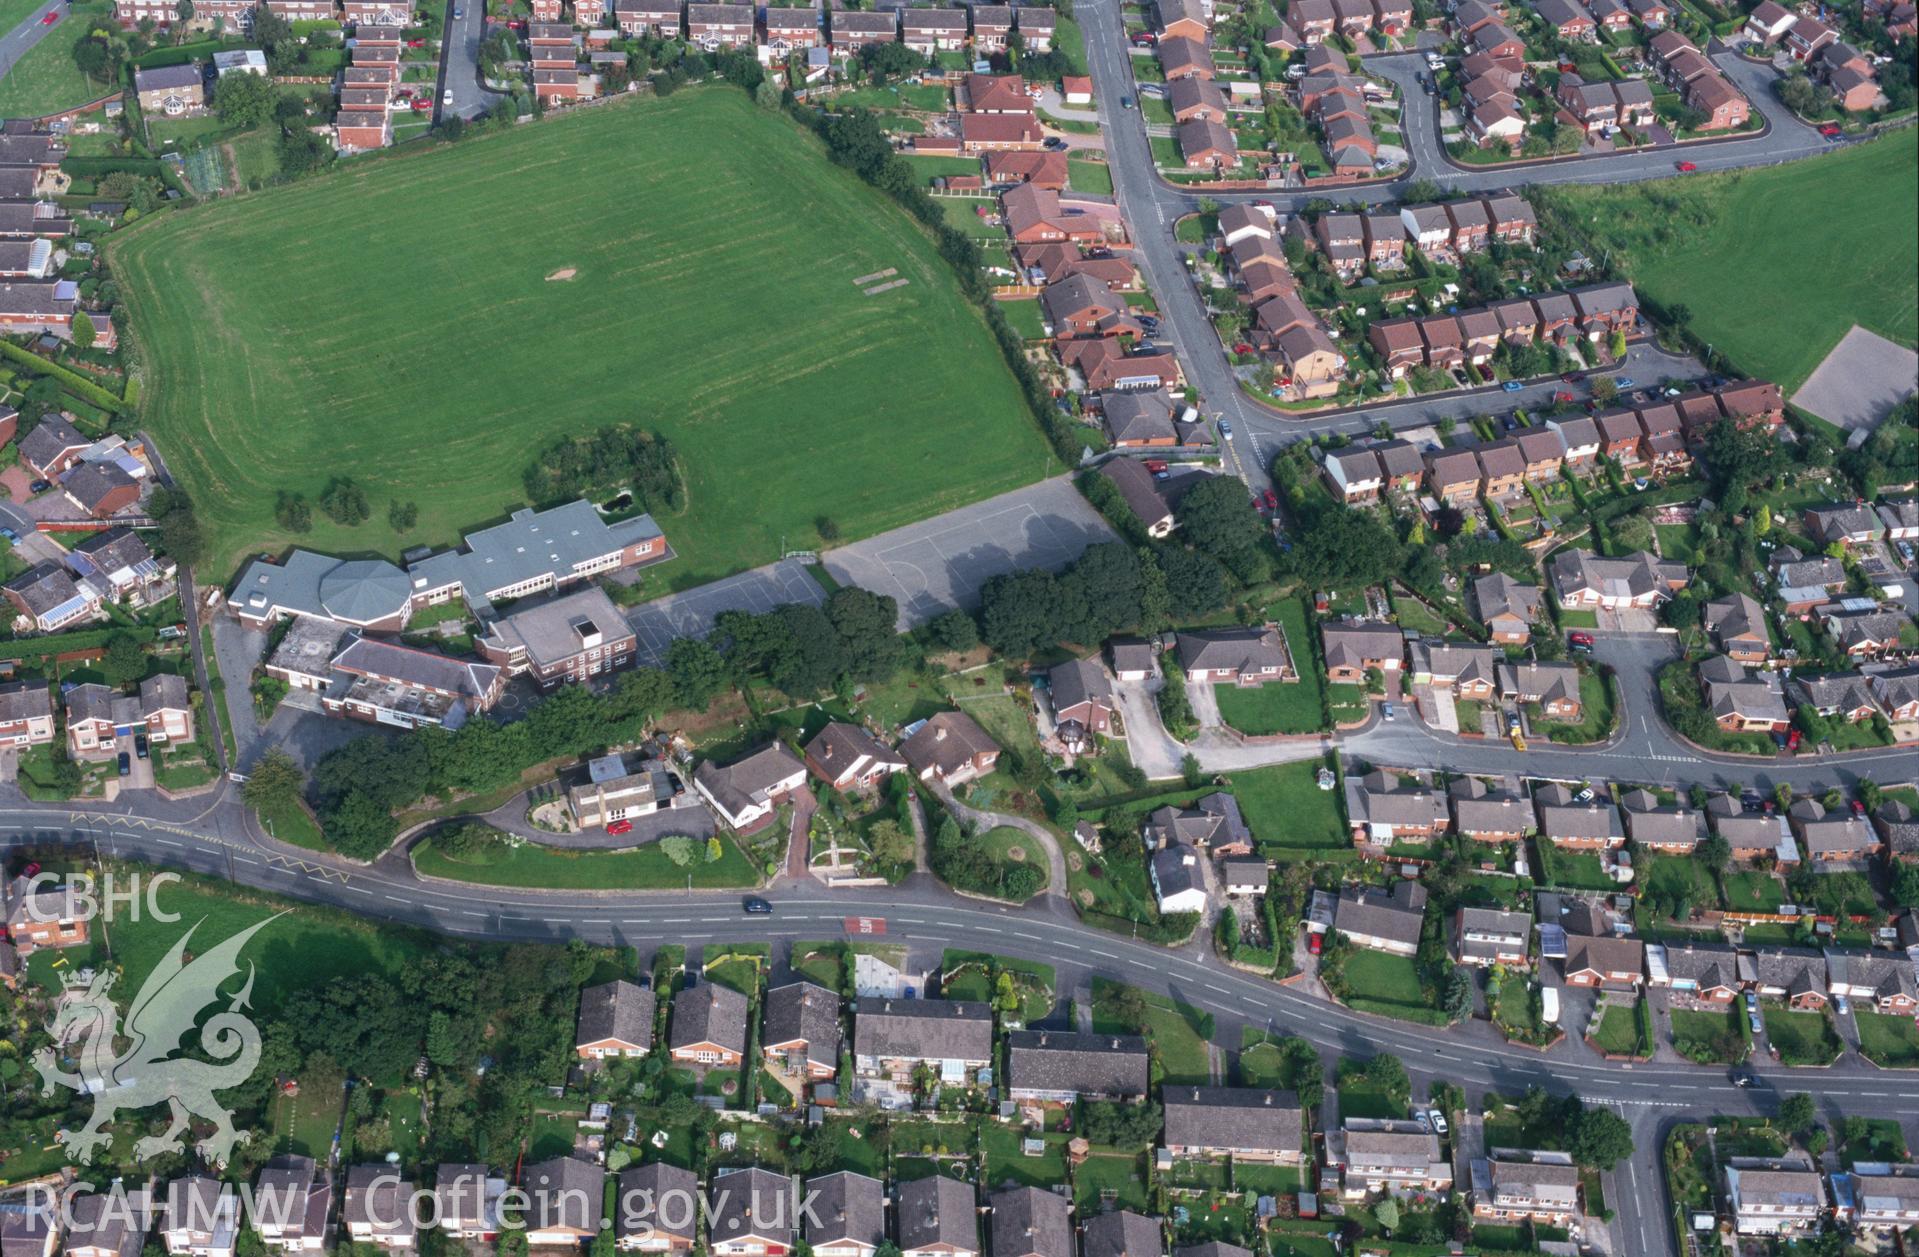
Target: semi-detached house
x=893 y=1037
x=1062 y=1066
x=1248 y=1124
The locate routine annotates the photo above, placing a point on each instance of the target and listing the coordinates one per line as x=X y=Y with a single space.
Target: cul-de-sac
x=862 y=628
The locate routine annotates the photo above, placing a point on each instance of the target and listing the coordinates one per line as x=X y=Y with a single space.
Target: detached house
x=950 y=748
x=651 y=1217
x=1388 y=921
x=1740 y=702
x=1352 y=649
x=1485 y=814
x=1583 y=579
x=938 y=1216
x=745 y=793
x=1083 y=703
x=1062 y=1066
x=1738 y=624
x=1670 y=828
x=1028 y=1222
x=1250 y=655
x=802 y=1031
x=1566 y=822
x=1826 y=836
x=616 y=1020
x=893 y=1037
x=754 y=1214
x=708 y=1026
x=848 y=1217
x=847 y=757
x=1383 y=810
x=1553 y=686
x=1507 y=608
x=1604 y=961
x=1354 y=474
x=1247 y=1124
x=1485 y=937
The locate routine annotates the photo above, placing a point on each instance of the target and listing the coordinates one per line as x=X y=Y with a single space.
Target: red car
x=1271 y=500
x=619 y=827
x=421 y=106
x=1830 y=130
x=416 y=43
x=1580 y=637
x=1793 y=739
x=1686 y=167
x=1314 y=943
x=1562 y=397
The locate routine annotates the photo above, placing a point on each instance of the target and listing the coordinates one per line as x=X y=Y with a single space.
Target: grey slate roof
x=709 y=1013
x=1145 y=415
x=554 y=630
x=1479 y=808
x=1497 y=594
x=1397 y=917
x=1091 y=1064
x=1649 y=820
x=847 y=1208
x=1121 y=1234
x=1028 y=1222
x=1233 y=1117
x=640 y=1192
x=923 y=1029
x=1243 y=649
x=529 y=545
x=1377 y=799
x=751 y=1202
x=803 y=1011
x=938 y=1211
x=1706 y=966
x=1080 y=681
x=616 y=1010
x=24 y=700
x=746 y=781
x=566 y=1193
x=1350 y=645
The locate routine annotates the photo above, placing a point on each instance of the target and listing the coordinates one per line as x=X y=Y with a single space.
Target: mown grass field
x=45 y=79
x=1777 y=264
x=395 y=323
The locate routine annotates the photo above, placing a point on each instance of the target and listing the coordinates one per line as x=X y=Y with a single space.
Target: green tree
x=276 y=780
x=1714 y=852
x=1601 y=1139
x=697 y=671
x=244 y=100
x=343 y=500
x=955 y=630
x=80 y=327
x=1386 y=1213
x=1796 y=1112
x=293 y=513
x=125 y=660
x=401 y=516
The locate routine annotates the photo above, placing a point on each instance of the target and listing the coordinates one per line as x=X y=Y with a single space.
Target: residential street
x=17 y=42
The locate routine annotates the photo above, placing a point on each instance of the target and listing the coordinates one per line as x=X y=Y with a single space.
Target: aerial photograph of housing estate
x=917 y=628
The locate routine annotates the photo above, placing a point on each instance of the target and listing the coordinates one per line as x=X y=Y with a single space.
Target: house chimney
x=939 y=733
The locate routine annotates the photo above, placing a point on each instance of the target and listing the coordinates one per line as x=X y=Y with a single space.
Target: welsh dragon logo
x=147 y=1073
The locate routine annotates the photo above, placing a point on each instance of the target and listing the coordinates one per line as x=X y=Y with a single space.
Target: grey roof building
x=923 y=1030
x=1665 y=826
x=1214 y=820
x=1383 y=921
x=751 y=1205
x=615 y=1015
x=1483 y=810
x=849 y=1211
x=643 y=1190
x=537 y=550
x=1248 y=652
x=365 y=593
x=708 y=1014
x=806 y=1016
x=1121 y=1234
x=1028 y=1222
x=938 y=1215
x=1047 y=1064
x=1243 y=1122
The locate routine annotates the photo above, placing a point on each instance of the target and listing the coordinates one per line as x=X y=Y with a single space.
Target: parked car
x=1425 y=1123
x=53 y=15
x=1126 y=102
x=1830 y=131
x=755 y=906
x=126 y=763
x=40 y=486
x=1315 y=943
x=140 y=745
x=446 y=98
x=1225 y=430
x=1562 y=397
x=1580 y=637
x=620 y=827
x=1386 y=710
x=1439 y=1121
x=1858 y=808
x=1841 y=1005
x=1584 y=796
x=1054 y=143
x=10 y=535
x=1624 y=382
x=1512 y=386
x=1752 y=1001
x=1793 y=738
x=1686 y=168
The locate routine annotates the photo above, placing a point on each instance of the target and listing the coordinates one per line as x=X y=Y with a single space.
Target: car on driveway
x=1580 y=637
x=1562 y=397
x=1841 y=1005
x=1830 y=131
x=1315 y=943
x=1624 y=382
x=1054 y=143
x=126 y=763
x=140 y=745
x=1512 y=386
x=1439 y=1121
x=620 y=827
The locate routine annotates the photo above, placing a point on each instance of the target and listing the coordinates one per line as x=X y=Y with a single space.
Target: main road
x=219 y=838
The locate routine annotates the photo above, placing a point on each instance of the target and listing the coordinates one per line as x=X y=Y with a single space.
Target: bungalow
x=1055 y=1066
x=996 y=93
x=652 y=1216
x=48 y=599
x=847 y=757
x=892 y=1038
x=1206 y=144
x=848 y=1218
x=52 y=447
x=1583 y=579
x=1191 y=98
x=1826 y=836
x=1885 y=982
x=1849 y=525
x=1738 y=624
x=1845 y=696
x=1029 y=1222
x=1248 y=1124
x=1083 y=306
x=1803 y=584
x=1865 y=634
x=801 y=1035
x=745 y=792
x=1141 y=493
x=1083 y=703
x=1244 y=222
x=938 y=1216
x=754 y=1214
x=1487 y=814
x=37 y=914
x=1105 y=366
x=1485 y=937
x=1139 y=420
x=1245 y=875
x=1250 y=655
x=1389 y=921
x=1383 y=810
x=1453 y=476
x=1554 y=686
x=708 y=1026
x=1671 y=828
x=1794 y=975
x=1353 y=649
x=616 y=1019
x=1604 y=961
x=950 y=749
x=1181 y=58
x=1045 y=170
x=1740 y=702
x=1213 y=822
x=1033 y=214
x=1564 y=821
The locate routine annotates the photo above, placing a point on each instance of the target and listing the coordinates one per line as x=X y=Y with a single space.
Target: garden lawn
x=1887 y=1040
x=640 y=868
x=1089 y=176
x=1775 y=265
x=713 y=299
x=1284 y=806
x=1753 y=890
x=45 y=79
x=1377 y=975
x=1712 y=1030
x=1617 y=1032
x=1802 y=1038
x=1277 y=707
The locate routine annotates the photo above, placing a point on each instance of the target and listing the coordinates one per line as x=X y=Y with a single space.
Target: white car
x=446 y=98
x=1439 y=1121
x=1435 y=62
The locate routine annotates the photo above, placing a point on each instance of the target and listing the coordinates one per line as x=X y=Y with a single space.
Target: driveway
x=1155 y=753
x=238 y=651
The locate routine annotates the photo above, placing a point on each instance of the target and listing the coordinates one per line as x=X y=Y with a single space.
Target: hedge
x=90 y=166
x=1169 y=930
x=1323 y=855
x=184 y=53
x=61 y=643
x=1399 y=1012
x=79 y=385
